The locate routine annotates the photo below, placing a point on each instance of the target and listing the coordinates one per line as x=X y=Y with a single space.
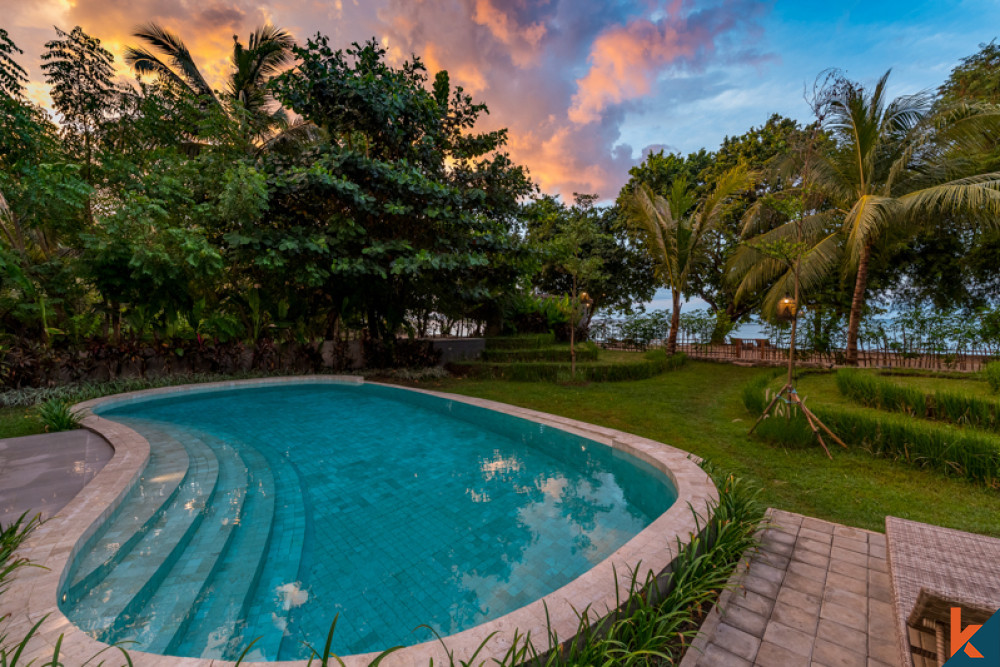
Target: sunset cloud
x=627 y=60
x=524 y=41
x=565 y=76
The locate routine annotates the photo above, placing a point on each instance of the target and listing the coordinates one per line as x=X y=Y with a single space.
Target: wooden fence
x=765 y=351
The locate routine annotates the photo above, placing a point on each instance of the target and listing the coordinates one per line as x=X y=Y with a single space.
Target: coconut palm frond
x=299 y=134
x=145 y=63
x=180 y=58
x=976 y=196
x=650 y=215
x=757 y=272
x=831 y=174
x=753 y=272
x=869 y=216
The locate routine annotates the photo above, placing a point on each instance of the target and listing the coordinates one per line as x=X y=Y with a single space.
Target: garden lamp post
x=788 y=310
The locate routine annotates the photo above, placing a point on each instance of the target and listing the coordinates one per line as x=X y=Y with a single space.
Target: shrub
x=970 y=454
x=876 y=392
x=525 y=342
x=56 y=414
x=991 y=372
x=653 y=363
x=584 y=352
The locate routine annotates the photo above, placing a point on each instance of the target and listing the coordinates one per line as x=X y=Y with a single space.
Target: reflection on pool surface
x=266 y=511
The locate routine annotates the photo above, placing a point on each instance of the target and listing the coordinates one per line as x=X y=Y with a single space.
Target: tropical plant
x=674 y=226
x=897 y=166
x=246 y=98
x=57 y=415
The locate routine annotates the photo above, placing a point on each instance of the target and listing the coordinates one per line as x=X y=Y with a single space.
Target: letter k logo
x=960 y=636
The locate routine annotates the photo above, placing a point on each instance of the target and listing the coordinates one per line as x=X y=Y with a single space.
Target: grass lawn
x=698 y=408
x=16 y=422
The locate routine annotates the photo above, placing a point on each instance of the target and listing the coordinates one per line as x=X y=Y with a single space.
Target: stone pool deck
x=41 y=473
x=816 y=594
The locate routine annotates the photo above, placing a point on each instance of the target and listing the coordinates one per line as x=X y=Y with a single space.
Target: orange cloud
x=626 y=60
x=555 y=163
x=523 y=41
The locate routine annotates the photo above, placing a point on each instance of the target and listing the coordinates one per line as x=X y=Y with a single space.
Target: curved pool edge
x=34 y=592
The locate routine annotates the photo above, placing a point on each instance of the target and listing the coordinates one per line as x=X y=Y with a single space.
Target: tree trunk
x=857 y=305
x=572 y=333
x=675 y=321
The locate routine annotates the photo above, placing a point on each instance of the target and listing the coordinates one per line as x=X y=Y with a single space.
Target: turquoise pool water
x=266 y=511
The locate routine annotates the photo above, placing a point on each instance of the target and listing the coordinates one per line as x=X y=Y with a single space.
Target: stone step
x=138 y=573
x=163 y=620
x=214 y=628
x=275 y=597
x=160 y=481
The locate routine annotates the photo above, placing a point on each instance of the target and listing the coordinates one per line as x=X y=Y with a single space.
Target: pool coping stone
x=33 y=594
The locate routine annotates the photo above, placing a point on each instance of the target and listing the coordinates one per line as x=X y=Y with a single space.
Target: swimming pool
x=264 y=511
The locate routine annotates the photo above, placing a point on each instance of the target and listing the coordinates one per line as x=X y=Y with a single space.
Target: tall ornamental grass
x=971 y=454
x=949 y=406
x=991 y=372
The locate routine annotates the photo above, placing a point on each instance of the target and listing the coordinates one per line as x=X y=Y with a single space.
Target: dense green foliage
x=163 y=218
x=625 y=276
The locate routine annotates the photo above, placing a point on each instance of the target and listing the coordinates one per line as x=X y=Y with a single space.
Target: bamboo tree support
x=793 y=400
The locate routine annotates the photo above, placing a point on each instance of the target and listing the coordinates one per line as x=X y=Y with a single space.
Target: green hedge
x=950 y=406
x=526 y=342
x=991 y=372
x=584 y=352
x=653 y=363
x=970 y=454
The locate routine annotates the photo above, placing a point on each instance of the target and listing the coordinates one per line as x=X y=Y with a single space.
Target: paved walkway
x=41 y=473
x=817 y=594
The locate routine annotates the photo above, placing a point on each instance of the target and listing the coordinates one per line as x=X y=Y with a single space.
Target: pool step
x=222 y=606
x=279 y=577
x=166 y=615
x=161 y=480
x=137 y=574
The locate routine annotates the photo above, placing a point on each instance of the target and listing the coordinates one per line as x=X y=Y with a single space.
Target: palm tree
x=245 y=98
x=807 y=243
x=898 y=166
x=673 y=228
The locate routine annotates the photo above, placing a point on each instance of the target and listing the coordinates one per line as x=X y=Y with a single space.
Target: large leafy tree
x=42 y=197
x=627 y=275
x=400 y=206
x=674 y=227
x=953 y=264
x=896 y=169
x=80 y=74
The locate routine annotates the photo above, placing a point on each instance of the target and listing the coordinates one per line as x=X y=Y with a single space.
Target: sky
x=586 y=87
